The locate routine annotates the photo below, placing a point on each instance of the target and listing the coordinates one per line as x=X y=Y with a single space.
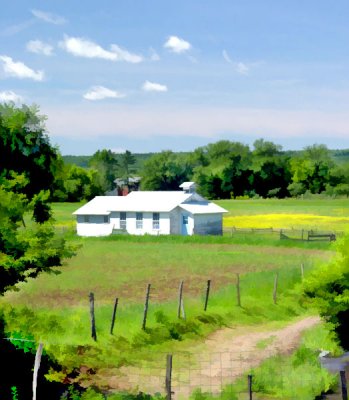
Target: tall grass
x=64 y=329
x=297 y=376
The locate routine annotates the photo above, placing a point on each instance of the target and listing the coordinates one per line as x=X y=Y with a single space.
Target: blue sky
x=153 y=75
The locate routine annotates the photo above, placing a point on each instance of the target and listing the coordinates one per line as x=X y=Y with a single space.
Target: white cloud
x=8 y=96
x=101 y=92
x=177 y=45
x=39 y=47
x=240 y=67
x=49 y=17
x=16 y=28
x=20 y=70
x=154 y=56
x=81 y=47
x=124 y=55
x=153 y=87
x=226 y=57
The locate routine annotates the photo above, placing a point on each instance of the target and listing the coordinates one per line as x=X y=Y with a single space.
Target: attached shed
x=156 y=213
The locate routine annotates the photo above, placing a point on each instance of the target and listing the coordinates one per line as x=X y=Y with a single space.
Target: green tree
x=25 y=149
x=271 y=173
x=263 y=149
x=328 y=289
x=164 y=171
x=25 y=251
x=127 y=159
x=312 y=168
x=105 y=162
x=27 y=166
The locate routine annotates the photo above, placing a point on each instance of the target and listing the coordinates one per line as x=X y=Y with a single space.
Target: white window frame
x=156 y=221
x=139 y=220
x=123 y=220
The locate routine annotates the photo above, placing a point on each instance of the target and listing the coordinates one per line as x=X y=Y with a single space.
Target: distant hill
x=339 y=156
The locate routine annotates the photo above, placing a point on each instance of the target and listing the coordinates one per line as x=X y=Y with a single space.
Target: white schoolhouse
x=157 y=213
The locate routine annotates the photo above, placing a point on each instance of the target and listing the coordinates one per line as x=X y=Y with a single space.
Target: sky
x=152 y=75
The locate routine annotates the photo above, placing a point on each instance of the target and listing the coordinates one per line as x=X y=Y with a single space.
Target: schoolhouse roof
x=147 y=201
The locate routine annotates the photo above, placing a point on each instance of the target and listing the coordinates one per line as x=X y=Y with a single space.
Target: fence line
x=222 y=374
x=288 y=233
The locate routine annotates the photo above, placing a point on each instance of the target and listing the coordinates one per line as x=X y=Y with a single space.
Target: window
x=105 y=219
x=139 y=220
x=156 y=221
x=86 y=218
x=122 y=220
x=185 y=220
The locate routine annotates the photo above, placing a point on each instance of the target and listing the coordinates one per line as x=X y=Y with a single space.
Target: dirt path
x=224 y=356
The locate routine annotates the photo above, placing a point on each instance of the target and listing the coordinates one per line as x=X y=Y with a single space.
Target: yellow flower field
x=288 y=221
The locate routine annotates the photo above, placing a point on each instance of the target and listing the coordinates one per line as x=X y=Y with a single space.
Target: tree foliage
x=127 y=160
x=25 y=148
x=328 y=289
x=27 y=163
x=164 y=171
x=105 y=162
x=227 y=169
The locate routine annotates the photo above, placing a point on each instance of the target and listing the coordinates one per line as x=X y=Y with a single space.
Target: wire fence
x=200 y=375
x=288 y=233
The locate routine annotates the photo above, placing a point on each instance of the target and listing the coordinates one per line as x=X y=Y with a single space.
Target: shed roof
x=202 y=208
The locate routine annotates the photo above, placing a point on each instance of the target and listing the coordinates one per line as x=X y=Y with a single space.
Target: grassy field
x=321 y=214
x=54 y=308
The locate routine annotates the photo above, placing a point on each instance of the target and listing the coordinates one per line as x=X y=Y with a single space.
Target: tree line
x=227 y=169
x=222 y=170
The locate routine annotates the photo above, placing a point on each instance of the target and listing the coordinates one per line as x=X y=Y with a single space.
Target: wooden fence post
x=36 y=368
x=275 y=287
x=114 y=314
x=92 y=316
x=238 y=297
x=249 y=381
x=182 y=308
x=180 y=299
x=302 y=271
x=146 y=304
x=344 y=385
x=207 y=294
x=168 y=380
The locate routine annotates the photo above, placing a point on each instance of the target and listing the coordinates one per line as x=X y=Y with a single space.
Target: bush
x=328 y=290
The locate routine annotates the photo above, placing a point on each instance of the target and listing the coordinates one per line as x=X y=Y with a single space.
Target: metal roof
x=202 y=208
x=148 y=202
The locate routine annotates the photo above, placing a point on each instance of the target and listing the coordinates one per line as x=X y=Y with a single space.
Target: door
x=185 y=225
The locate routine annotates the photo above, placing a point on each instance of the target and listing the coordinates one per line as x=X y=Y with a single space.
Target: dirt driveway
x=224 y=356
